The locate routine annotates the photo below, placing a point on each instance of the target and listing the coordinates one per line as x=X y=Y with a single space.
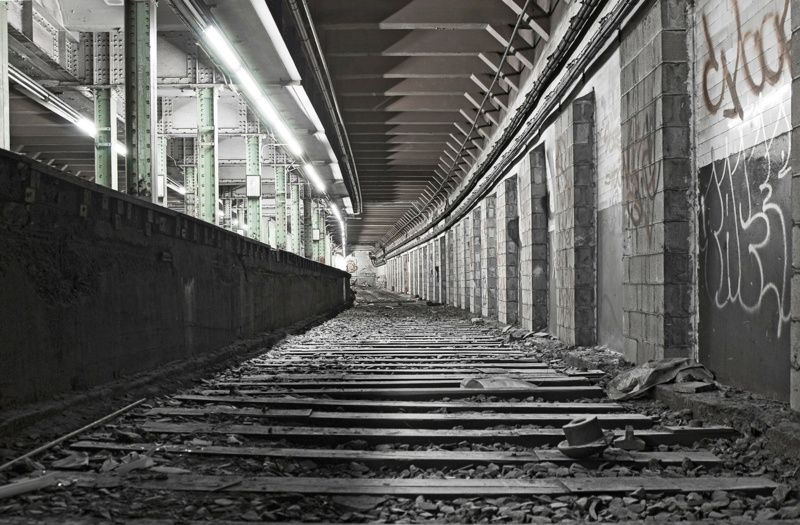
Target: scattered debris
x=496 y=382
x=694 y=387
x=75 y=461
x=24 y=486
x=584 y=438
x=639 y=380
x=629 y=441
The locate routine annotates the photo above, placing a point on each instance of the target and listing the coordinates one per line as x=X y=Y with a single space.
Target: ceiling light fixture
x=223 y=52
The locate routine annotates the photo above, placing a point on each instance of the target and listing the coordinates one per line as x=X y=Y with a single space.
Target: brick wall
x=507 y=251
x=489 y=257
x=657 y=305
x=477 y=271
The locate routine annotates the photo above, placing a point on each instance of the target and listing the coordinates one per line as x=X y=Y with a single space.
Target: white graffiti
x=744 y=231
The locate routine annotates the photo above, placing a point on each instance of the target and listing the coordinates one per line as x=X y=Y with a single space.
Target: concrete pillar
x=252 y=171
x=657 y=257
x=294 y=210
x=535 y=314
x=280 y=207
x=507 y=251
x=489 y=257
x=466 y=301
x=432 y=272
x=574 y=217
x=443 y=269
x=207 y=191
x=458 y=267
x=140 y=96
x=477 y=288
x=308 y=223
x=5 y=133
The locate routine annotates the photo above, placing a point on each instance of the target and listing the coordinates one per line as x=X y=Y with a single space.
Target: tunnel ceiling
x=409 y=77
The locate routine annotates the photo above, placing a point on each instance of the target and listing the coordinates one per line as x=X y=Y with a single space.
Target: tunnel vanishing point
x=189 y=184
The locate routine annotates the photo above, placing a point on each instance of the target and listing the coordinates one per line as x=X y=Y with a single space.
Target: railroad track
x=364 y=418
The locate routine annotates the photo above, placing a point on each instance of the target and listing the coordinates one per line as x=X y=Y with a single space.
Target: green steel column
x=5 y=134
x=328 y=247
x=207 y=169
x=105 y=113
x=271 y=229
x=190 y=183
x=294 y=206
x=163 y=197
x=308 y=223
x=252 y=167
x=105 y=154
x=140 y=95
x=314 y=236
x=280 y=207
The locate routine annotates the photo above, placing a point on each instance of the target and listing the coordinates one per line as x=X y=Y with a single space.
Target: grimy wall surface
x=96 y=285
x=654 y=201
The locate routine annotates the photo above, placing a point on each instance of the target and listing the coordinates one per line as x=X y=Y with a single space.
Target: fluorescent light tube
x=222 y=48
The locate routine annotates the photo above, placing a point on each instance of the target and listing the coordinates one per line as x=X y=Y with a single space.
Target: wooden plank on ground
x=529 y=437
x=323 y=361
x=261 y=381
x=412 y=487
x=408 y=406
x=444 y=375
x=419 y=458
x=413 y=420
x=555 y=393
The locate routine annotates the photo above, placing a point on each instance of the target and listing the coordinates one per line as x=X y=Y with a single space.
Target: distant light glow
x=87 y=126
x=120 y=149
x=337 y=171
x=314 y=177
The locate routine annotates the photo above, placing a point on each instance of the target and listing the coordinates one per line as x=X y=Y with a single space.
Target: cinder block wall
x=657 y=296
x=658 y=217
x=96 y=286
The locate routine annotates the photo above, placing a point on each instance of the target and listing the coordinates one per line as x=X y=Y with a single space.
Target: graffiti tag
x=772 y=59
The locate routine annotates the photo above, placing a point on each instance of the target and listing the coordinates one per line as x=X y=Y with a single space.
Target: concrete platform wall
x=96 y=286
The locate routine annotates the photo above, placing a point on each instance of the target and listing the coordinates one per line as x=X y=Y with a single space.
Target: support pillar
x=252 y=166
x=190 y=183
x=507 y=251
x=105 y=154
x=315 y=236
x=658 y=254
x=5 y=134
x=308 y=223
x=280 y=208
x=294 y=208
x=163 y=191
x=489 y=258
x=475 y=303
x=328 y=246
x=140 y=96
x=105 y=114
x=207 y=190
